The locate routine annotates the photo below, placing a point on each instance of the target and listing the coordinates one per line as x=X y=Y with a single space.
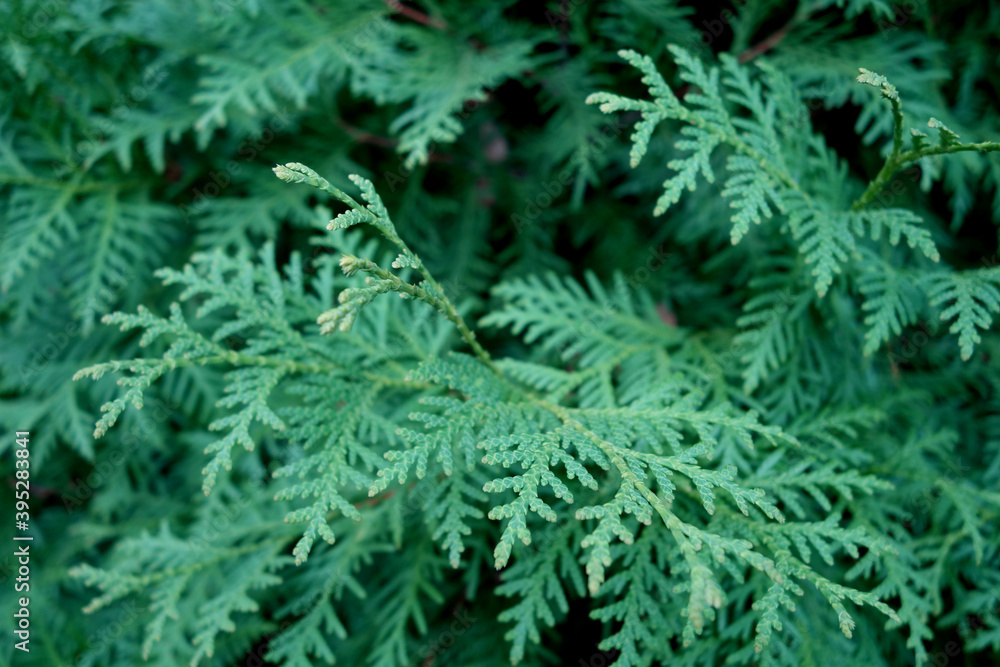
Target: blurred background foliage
x=134 y=134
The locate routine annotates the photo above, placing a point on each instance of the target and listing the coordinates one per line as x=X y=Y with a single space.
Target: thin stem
x=899 y=159
x=741 y=146
x=295 y=172
x=231 y=357
x=236 y=359
x=441 y=304
x=74 y=186
x=802 y=14
x=678 y=528
x=878 y=183
x=415 y=15
x=365 y=136
x=982 y=147
x=772 y=40
x=892 y=163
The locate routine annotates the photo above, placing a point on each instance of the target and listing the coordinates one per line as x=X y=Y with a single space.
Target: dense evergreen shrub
x=562 y=333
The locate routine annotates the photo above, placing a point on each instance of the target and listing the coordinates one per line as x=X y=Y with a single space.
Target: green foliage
x=491 y=382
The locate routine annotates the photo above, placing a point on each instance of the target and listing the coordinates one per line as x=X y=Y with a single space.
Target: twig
x=365 y=136
x=769 y=43
x=415 y=15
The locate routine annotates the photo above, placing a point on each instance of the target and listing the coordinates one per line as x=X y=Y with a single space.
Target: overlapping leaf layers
x=633 y=456
x=610 y=460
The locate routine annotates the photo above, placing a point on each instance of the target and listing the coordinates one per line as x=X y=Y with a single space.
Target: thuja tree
x=676 y=356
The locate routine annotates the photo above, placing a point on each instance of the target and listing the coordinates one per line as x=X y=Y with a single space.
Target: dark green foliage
x=532 y=353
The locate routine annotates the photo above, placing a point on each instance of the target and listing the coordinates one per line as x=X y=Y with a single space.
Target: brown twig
x=415 y=15
x=775 y=38
x=767 y=44
x=365 y=136
x=371 y=502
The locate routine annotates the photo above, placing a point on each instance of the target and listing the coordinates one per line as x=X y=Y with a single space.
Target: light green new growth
x=520 y=420
x=776 y=165
x=769 y=145
x=613 y=458
x=629 y=438
x=948 y=141
x=375 y=214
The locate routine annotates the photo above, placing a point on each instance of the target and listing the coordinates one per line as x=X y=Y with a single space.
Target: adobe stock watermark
x=971 y=624
x=559 y=19
x=989 y=262
x=924 y=502
x=101 y=641
x=902 y=12
x=599 y=659
x=249 y=150
x=396 y=346
x=82 y=489
x=44 y=14
x=593 y=322
x=406 y=166
x=712 y=29
x=987 y=618
x=911 y=344
x=787 y=300
x=223 y=7
x=368 y=35
x=899 y=185
x=553 y=188
x=55 y=342
x=256 y=657
x=208 y=533
x=86 y=150
x=431 y=650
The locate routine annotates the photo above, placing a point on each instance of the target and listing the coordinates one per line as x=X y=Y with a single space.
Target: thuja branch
x=898 y=158
x=381 y=281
